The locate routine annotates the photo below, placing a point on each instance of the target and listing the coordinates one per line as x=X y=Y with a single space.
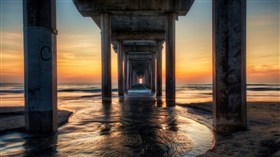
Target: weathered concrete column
x=134 y=78
x=150 y=75
x=170 y=57
x=159 y=68
x=229 y=65
x=125 y=72
x=106 y=57
x=128 y=72
x=120 y=70
x=146 y=77
x=129 y=75
x=40 y=70
x=153 y=72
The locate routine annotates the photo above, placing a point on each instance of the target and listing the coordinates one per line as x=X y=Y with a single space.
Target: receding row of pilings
x=229 y=64
x=151 y=62
x=140 y=65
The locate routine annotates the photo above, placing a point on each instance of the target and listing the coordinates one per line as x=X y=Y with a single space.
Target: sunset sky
x=79 y=47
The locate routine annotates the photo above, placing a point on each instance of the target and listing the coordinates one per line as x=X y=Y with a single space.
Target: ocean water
x=13 y=94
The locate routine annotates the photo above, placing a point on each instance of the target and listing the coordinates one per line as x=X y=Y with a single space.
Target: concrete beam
x=229 y=65
x=136 y=7
x=139 y=53
x=140 y=49
x=143 y=42
x=40 y=68
x=140 y=57
x=129 y=23
x=125 y=35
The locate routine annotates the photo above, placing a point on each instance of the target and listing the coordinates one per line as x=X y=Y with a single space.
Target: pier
x=138 y=30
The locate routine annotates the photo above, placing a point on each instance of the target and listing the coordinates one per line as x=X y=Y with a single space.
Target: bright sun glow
x=141 y=81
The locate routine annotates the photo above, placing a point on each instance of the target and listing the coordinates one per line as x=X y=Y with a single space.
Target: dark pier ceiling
x=137 y=19
x=133 y=7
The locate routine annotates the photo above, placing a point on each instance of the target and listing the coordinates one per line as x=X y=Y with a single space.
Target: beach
x=262 y=137
x=12 y=118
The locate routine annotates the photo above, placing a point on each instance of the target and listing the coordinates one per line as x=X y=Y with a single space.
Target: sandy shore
x=262 y=138
x=12 y=118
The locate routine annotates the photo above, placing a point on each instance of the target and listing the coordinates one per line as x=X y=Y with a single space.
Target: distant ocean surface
x=13 y=94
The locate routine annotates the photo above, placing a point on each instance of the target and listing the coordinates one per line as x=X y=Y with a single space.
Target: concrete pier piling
x=159 y=68
x=40 y=67
x=106 y=57
x=229 y=65
x=120 y=69
x=125 y=72
x=153 y=71
x=170 y=57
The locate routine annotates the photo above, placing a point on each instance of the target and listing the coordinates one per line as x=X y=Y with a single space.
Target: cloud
x=11 y=41
x=263 y=73
x=263 y=20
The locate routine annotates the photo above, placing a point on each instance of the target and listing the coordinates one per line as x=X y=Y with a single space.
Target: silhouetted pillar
x=134 y=78
x=229 y=65
x=120 y=70
x=146 y=77
x=125 y=72
x=150 y=75
x=40 y=68
x=106 y=57
x=153 y=72
x=170 y=56
x=129 y=75
x=128 y=72
x=159 y=68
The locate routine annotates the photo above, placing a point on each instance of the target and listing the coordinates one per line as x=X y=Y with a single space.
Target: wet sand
x=262 y=138
x=12 y=118
x=139 y=128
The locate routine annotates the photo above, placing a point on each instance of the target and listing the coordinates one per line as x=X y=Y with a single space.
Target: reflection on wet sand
x=40 y=145
x=154 y=131
x=130 y=128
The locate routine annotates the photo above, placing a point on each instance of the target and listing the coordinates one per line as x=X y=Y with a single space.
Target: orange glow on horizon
x=79 y=46
x=82 y=63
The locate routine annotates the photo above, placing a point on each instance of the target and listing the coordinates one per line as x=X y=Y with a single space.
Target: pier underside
x=138 y=31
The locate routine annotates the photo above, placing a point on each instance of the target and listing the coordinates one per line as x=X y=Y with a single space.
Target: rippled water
x=12 y=94
x=134 y=128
